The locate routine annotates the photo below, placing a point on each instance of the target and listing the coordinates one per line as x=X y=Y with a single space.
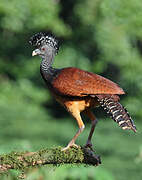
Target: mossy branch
x=55 y=156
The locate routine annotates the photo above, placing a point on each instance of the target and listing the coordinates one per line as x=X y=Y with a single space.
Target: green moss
x=55 y=156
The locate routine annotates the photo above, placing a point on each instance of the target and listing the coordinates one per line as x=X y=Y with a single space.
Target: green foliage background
x=104 y=37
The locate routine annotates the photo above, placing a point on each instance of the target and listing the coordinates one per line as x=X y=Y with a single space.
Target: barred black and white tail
x=117 y=112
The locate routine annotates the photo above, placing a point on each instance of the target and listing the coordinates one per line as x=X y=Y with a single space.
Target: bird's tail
x=117 y=112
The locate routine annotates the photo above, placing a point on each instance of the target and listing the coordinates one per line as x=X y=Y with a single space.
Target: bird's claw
x=89 y=145
x=69 y=146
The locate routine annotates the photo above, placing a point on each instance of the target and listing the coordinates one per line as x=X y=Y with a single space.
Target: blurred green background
x=104 y=37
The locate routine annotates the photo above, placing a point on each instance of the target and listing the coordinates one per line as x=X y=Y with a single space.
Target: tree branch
x=55 y=156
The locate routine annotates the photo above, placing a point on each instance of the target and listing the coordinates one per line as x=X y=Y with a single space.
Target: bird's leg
x=94 y=122
x=76 y=114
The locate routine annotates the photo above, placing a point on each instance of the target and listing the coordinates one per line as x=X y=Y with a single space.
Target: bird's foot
x=89 y=145
x=69 y=146
x=94 y=157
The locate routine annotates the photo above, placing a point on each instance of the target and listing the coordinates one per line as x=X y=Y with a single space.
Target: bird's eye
x=43 y=49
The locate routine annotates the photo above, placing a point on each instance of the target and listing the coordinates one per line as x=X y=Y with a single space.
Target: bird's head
x=45 y=43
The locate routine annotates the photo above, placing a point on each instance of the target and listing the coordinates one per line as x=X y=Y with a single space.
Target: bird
x=78 y=90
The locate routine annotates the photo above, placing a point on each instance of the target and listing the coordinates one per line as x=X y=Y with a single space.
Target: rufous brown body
x=78 y=90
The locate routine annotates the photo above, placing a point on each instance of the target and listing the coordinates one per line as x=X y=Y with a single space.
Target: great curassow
x=78 y=90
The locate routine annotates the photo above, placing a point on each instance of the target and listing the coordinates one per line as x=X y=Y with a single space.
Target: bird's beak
x=36 y=52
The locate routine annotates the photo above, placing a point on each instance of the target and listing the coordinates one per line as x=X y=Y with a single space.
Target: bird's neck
x=46 y=63
x=46 y=69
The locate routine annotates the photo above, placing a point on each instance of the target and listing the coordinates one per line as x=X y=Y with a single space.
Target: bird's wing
x=77 y=82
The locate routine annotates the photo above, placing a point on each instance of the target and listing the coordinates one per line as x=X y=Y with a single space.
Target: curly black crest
x=43 y=38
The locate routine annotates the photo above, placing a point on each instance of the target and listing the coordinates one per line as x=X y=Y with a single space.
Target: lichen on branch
x=55 y=156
